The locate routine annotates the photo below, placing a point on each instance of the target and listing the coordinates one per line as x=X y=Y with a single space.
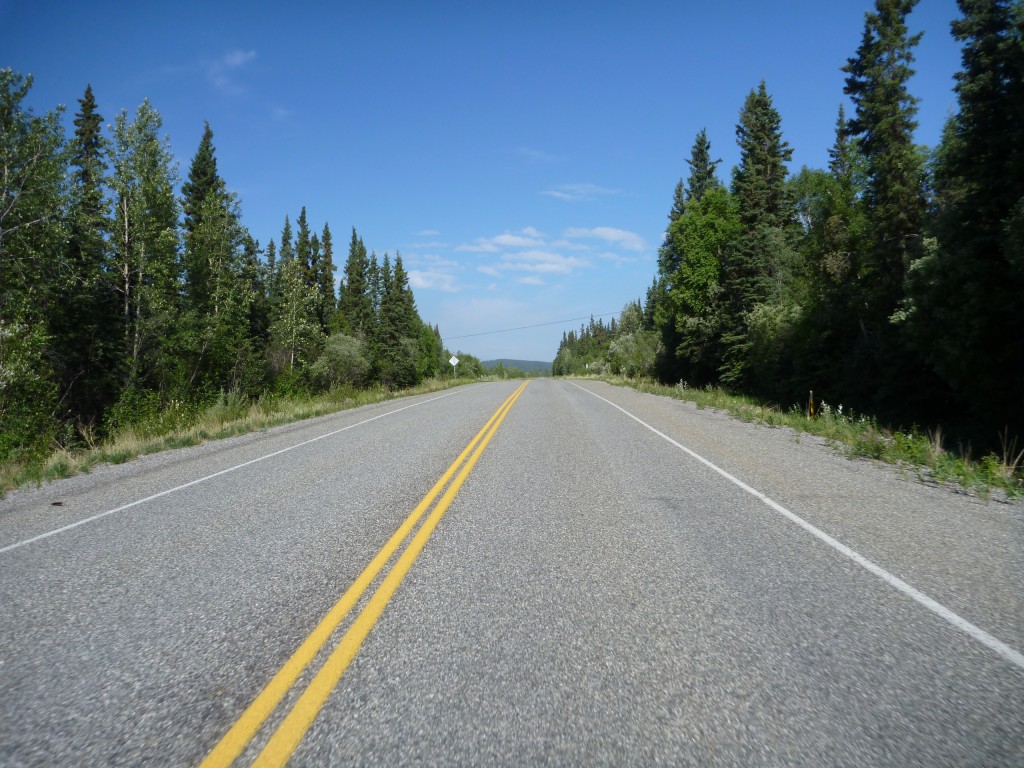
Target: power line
x=525 y=327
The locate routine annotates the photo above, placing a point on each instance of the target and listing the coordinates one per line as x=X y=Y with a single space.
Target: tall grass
x=177 y=426
x=860 y=435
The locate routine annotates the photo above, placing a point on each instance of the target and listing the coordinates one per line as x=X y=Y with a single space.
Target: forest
x=892 y=281
x=121 y=300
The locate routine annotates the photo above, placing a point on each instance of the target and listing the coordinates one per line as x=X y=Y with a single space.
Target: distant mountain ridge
x=526 y=366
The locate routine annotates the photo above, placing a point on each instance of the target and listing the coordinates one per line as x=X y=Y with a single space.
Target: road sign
x=454 y=361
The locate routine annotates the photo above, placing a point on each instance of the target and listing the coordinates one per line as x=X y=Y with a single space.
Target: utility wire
x=524 y=327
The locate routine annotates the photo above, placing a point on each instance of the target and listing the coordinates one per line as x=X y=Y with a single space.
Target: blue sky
x=520 y=156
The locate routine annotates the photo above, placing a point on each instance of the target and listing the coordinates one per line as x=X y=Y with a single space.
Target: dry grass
x=231 y=415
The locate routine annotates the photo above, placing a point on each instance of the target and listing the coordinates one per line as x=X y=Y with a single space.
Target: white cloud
x=624 y=239
x=441 y=281
x=524 y=238
x=536 y=155
x=542 y=262
x=578 y=192
x=530 y=280
x=220 y=72
x=480 y=246
x=235 y=59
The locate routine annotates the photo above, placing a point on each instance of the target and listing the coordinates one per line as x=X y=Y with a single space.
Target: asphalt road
x=613 y=579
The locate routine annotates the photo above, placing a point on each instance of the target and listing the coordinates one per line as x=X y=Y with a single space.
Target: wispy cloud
x=524 y=238
x=541 y=262
x=441 y=281
x=620 y=237
x=536 y=156
x=222 y=72
x=578 y=192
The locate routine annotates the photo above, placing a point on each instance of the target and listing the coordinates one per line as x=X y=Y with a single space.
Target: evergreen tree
x=86 y=322
x=325 y=280
x=966 y=291
x=216 y=332
x=303 y=248
x=884 y=125
x=202 y=178
x=287 y=248
x=763 y=245
x=702 y=169
x=270 y=274
x=397 y=338
x=355 y=305
x=204 y=184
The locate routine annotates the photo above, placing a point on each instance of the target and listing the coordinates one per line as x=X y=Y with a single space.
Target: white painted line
x=136 y=503
x=983 y=637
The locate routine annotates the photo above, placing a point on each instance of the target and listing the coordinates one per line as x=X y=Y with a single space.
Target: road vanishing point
x=547 y=573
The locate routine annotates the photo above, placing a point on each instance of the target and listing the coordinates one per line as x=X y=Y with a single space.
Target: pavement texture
x=593 y=596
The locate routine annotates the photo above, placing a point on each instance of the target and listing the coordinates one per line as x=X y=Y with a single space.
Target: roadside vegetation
x=160 y=427
x=178 y=425
x=889 y=282
x=928 y=454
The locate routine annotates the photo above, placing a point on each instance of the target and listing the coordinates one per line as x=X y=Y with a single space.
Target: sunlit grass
x=861 y=436
x=230 y=416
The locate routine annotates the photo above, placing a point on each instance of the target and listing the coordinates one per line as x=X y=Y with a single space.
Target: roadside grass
x=861 y=436
x=176 y=427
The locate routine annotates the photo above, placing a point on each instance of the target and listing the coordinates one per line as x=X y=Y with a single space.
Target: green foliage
x=32 y=235
x=28 y=392
x=342 y=363
x=964 y=294
x=841 y=280
x=703 y=236
x=145 y=245
x=884 y=126
x=758 y=258
x=120 y=316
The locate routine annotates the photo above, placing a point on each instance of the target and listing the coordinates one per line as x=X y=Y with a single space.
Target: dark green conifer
x=767 y=218
x=702 y=168
x=884 y=124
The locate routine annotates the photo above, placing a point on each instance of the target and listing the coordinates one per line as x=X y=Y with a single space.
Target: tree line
x=892 y=281
x=118 y=296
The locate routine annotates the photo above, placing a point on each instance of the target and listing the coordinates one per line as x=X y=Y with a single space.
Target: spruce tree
x=270 y=274
x=767 y=218
x=884 y=124
x=303 y=249
x=202 y=178
x=966 y=292
x=355 y=305
x=86 y=320
x=203 y=184
x=702 y=168
x=325 y=279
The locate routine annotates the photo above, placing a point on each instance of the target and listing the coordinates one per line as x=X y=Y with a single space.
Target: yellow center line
x=248 y=724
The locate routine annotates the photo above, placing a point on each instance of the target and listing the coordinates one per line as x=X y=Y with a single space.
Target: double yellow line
x=287 y=736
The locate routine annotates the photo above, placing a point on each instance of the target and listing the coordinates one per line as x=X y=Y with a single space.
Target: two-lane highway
x=585 y=575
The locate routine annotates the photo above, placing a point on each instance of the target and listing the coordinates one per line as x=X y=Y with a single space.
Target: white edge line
x=137 y=502
x=983 y=637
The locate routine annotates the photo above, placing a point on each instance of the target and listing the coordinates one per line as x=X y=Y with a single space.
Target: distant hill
x=526 y=366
